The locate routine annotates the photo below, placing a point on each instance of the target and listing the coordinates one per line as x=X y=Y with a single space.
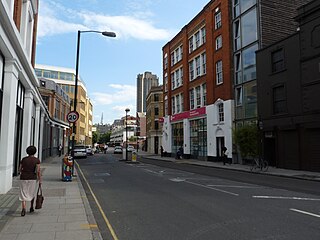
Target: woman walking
x=29 y=173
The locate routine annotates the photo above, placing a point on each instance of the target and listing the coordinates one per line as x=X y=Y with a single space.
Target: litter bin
x=67 y=168
x=134 y=156
x=124 y=154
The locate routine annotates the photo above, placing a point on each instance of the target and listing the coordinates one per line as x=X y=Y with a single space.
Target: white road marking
x=154 y=172
x=177 y=179
x=216 y=189
x=234 y=186
x=304 y=212
x=288 y=198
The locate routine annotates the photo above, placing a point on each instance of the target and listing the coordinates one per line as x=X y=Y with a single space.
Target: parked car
x=89 y=150
x=117 y=149
x=80 y=151
x=130 y=148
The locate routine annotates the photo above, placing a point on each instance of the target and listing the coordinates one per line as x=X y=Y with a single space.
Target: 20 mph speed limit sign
x=72 y=116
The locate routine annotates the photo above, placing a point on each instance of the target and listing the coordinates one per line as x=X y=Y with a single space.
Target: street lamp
x=127 y=110
x=107 y=34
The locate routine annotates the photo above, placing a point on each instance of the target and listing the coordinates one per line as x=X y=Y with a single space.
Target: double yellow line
x=99 y=206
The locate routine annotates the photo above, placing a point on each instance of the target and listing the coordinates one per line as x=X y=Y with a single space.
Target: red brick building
x=197 y=68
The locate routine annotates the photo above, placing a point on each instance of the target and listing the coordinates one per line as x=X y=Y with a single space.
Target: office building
x=65 y=78
x=144 y=82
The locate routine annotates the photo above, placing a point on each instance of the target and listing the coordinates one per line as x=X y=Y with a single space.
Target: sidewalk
x=66 y=213
x=315 y=176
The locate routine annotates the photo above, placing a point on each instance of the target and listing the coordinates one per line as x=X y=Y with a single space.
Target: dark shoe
x=23 y=212
x=31 y=210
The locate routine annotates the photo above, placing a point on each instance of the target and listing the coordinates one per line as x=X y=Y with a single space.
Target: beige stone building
x=65 y=78
x=154 y=119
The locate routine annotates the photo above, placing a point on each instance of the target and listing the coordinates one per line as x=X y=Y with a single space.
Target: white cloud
x=55 y=19
x=120 y=94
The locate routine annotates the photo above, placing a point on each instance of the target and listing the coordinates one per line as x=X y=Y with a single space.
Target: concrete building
x=154 y=117
x=144 y=82
x=65 y=78
x=198 y=94
x=118 y=133
x=288 y=95
x=24 y=117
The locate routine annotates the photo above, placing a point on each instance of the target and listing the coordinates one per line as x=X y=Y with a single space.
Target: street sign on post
x=72 y=116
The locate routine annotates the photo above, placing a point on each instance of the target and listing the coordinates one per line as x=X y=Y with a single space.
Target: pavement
x=66 y=213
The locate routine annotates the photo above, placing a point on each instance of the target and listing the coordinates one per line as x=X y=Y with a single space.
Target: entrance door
x=220 y=145
x=156 y=144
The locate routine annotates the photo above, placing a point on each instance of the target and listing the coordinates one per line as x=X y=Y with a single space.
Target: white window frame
x=204 y=63
x=191 y=44
x=197 y=39
x=203 y=35
x=198 y=96
x=191 y=70
x=219 y=73
x=204 y=94
x=173 y=105
x=192 y=105
x=220 y=107
x=197 y=62
x=218 y=42
x=217 y=20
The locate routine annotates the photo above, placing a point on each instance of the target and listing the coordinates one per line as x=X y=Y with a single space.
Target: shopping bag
x=39 y=199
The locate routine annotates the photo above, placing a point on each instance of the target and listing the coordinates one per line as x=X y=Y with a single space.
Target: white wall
x=166 y=135
x=216 y=129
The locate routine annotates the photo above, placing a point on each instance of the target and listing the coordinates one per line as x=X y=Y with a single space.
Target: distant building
x=154 y=117
x=288 y=95
x=65 y=78
x=118 y=131
x=144 y=83
x=102 y=128
x=58 y=104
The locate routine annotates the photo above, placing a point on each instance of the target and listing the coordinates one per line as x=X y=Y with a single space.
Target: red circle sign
x=72 y=116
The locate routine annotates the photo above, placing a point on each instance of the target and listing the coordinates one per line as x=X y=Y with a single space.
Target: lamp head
x=109 y=34
x=127 y=110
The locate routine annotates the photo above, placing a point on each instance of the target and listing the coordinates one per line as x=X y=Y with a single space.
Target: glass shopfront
x=18 y=126
x=1 y=84
x=177 y=136
x=198 y=137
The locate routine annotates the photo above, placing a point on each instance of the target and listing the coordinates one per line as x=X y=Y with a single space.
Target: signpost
x=72 y=116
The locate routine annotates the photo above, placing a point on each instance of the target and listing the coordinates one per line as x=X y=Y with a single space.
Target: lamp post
x=107 y=34
x=127 y=110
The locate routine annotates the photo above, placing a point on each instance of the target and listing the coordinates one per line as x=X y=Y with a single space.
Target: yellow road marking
x=99 y=206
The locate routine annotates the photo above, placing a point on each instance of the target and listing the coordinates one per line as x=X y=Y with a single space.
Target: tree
x=94 y=137
x=246 y=137
x=104 y=138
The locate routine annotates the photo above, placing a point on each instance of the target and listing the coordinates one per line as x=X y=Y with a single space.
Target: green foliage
x=104 y=138
x=132 y=139
x=94 y=137
x=246 y=137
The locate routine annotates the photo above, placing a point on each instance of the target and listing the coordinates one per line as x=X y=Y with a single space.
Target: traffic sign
x=72 y=116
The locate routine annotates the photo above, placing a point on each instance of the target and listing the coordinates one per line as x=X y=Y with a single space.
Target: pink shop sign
x=190 y=114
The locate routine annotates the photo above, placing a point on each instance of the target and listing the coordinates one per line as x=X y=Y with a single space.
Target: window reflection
x=249 y=27
x=246 y=4
x=249 y=63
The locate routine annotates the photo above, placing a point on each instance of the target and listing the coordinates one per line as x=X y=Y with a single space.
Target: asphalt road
x=149 y=202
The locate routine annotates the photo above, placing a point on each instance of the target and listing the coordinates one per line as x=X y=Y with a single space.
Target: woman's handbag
x=39 y=199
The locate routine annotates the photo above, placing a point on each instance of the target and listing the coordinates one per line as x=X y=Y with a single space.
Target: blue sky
x=109 y=66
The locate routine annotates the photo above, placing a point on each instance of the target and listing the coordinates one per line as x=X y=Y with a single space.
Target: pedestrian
x=225 y=155
x=60 y=149
x=105 y=148
x=161 y=151
x=29 y=174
